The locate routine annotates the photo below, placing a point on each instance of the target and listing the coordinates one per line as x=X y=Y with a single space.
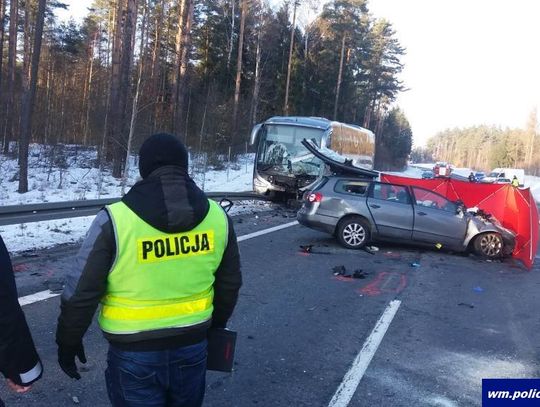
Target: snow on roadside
x=41 y=235
x=72 y=177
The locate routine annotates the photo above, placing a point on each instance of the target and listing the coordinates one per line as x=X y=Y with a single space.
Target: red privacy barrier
x=514 y=208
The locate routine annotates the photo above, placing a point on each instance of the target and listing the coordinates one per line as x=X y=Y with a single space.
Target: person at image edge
x=19 y=360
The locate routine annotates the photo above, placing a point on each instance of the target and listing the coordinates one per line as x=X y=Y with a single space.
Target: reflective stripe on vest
x=161 y=280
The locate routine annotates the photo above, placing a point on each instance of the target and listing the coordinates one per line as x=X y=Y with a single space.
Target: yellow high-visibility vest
x=161 y=280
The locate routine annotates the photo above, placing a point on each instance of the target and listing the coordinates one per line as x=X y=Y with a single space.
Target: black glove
x=66 y=359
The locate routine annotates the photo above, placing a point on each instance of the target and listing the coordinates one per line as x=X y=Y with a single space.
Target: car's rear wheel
x=489 y=245
x=353 y=232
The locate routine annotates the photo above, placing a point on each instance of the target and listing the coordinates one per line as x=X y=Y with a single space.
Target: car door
x=391 y=209
x=437 y=219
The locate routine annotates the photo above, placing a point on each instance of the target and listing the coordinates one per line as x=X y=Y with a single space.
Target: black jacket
x=19 y=360
x=169 y=200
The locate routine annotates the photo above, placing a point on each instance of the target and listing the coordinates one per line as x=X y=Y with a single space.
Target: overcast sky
x=468 y=62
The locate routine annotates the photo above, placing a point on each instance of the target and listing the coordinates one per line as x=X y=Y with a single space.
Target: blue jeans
x=172 y=378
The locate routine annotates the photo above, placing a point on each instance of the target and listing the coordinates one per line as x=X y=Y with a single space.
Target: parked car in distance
x=427 y=175
x=505 y=175
x=479 y=175
x=502 y=181
x=357 y=211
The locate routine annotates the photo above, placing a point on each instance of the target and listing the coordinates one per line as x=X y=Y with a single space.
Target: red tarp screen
x=514 y=208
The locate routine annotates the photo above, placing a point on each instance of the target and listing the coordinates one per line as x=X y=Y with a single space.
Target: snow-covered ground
x=74 y=178
x=69 y=175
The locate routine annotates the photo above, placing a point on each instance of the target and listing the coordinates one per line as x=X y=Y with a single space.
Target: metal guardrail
x=15 y=214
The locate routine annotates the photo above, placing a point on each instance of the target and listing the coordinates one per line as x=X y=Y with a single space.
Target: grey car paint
x=391 y=218
x=402 y=220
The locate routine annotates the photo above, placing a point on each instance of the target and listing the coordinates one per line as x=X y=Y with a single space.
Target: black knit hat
x=160 y=150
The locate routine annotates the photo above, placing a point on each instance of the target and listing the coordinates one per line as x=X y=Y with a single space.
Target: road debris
x=438 y=245
x=339 y=270
x=464 y=304
x=371 y=249
x=415 y=264
x=342 y=271
x=478 y=289
x=308 y=248
x=359 y=274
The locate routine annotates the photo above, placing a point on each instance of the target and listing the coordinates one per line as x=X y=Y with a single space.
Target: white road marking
x=44 y=295
x=346 y=389
x=265 y=231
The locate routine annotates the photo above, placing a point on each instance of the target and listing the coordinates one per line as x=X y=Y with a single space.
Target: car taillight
x=315 y=197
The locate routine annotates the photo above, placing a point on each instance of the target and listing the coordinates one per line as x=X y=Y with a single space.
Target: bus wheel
x=353 y=232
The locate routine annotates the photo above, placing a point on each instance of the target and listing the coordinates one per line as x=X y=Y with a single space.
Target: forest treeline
x=205 y=70
x=485 y=147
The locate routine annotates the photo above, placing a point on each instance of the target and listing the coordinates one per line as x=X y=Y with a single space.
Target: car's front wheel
x=353 y=232
x=489 y=245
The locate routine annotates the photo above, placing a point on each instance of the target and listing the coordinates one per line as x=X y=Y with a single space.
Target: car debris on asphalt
x=371 y=249
x=308 y=249
x=478 y=289
x=464 y=304
x=342 y=271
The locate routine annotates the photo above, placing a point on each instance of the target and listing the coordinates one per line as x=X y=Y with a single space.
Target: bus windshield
x=281 y=150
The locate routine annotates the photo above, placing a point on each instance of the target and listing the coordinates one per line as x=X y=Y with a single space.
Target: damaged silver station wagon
x=358 y=210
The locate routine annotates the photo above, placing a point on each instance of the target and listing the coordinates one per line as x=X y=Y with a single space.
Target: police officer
x=19 y=361
x=515 y=182
x=164 y=263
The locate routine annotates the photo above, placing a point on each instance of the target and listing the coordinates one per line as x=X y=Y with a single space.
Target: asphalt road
x=459 y=319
